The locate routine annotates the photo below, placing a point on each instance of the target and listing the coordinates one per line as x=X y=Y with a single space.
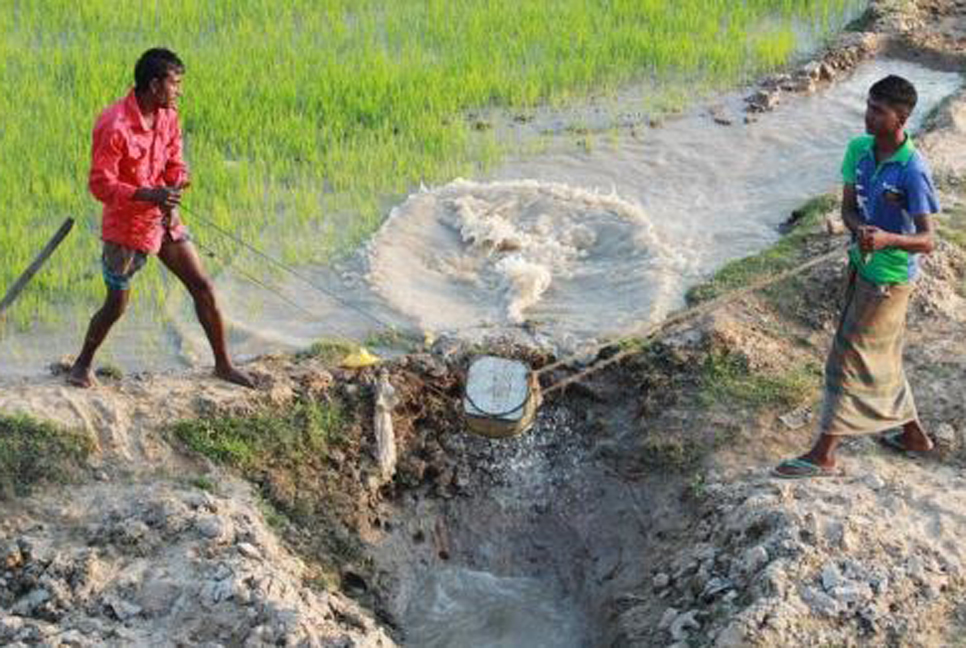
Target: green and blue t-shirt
x=890 y=195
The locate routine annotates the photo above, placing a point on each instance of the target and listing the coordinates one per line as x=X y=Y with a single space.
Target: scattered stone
x=661 y=580
x=714 y=587
x=122 y=610
x=720 y=116
x=212 y=527
x=27 y=605
x=753 y=560
x=667 y=618
x=683 y=623
x=834 y=225
x=874 y=482
x=947 y=441
x=764 y=101
x=831 y=577
x=249 y=551
x=796 y=418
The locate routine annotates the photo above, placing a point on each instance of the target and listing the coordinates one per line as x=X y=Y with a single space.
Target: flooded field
x=574 y=243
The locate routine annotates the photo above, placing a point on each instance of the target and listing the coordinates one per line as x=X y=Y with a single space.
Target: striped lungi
x=866 y=390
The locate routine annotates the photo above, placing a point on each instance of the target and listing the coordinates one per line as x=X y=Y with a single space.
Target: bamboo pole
x=28 y=274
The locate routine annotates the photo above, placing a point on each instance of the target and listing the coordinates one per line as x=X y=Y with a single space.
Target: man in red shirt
x=138 y=173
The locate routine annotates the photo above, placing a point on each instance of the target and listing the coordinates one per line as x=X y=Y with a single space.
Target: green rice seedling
x=305 y=120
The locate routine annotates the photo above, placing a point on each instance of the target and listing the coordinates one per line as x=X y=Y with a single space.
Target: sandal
x=804 y=469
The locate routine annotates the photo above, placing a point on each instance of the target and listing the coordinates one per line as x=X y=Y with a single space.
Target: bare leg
x=114 y=306
x=181 y=258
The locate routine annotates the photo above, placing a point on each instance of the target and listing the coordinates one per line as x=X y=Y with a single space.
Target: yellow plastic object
x=359 y=359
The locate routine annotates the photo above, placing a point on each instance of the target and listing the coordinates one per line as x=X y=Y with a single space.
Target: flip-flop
x=806 y=469
x=892 y=440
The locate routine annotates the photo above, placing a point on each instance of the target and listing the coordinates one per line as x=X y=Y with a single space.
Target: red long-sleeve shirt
x=127 y=155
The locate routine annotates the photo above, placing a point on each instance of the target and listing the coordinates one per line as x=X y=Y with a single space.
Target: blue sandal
x=805 y=469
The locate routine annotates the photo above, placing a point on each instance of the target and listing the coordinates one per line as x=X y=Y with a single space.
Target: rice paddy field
x=306 y=119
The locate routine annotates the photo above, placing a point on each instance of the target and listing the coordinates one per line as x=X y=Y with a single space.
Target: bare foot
x=233 y=375
x=914 y=439
x=82 y=377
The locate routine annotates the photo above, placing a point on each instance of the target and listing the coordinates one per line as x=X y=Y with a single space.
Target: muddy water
x=595 y=241
x=577 y=242
x=457 y=607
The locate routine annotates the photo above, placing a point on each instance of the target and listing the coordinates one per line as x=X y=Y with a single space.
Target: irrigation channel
x=578 y=242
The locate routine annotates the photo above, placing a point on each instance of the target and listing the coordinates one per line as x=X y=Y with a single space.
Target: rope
x=292 y=271
x=676 y=318
x=258 y=282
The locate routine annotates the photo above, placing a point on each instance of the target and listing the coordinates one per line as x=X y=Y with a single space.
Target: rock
x=831 y=577
x=874 y=482
x=27 y=605
x=683 y=623
x=774 y=81
x=838 y=535
x=753 y=560
x=821 y=603
x=852 y=594
x=714 y=587
x=200 y=499
x=733 y=636
x=249 y=550
x=947 y=441
x=122 y=610
x=834 y=225
x=667 y=618
x=10 y=556
x=157 y=596
x=212 y=527
x=763 y=101
x=661 y=581
x=10 y=627
x=27 y=549
x=796 y=418
x=216 y=591
x=720 y=116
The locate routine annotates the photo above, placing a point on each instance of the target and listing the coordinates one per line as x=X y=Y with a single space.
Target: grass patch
x=952 y=225
x=37 y=451
x=289 y=437
x=302 y=118
x=203 y=482
x=727 y=379
x=784 y=254
x=300 y=457
x=327 y=351
x=395 y=340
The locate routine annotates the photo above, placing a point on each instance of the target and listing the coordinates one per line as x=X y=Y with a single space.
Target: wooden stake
x=28 y=274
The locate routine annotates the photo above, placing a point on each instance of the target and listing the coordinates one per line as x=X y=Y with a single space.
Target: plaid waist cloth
x=866 y=390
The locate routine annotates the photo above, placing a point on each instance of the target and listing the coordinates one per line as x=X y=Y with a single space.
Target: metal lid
x=497 y=388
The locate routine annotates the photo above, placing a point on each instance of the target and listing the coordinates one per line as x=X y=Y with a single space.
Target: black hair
x=895 y=91
x=156 y=63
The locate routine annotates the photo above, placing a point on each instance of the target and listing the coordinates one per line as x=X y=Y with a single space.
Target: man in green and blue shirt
x=887 y=200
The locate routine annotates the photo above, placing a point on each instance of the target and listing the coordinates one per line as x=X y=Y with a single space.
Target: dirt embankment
x=263 y=518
